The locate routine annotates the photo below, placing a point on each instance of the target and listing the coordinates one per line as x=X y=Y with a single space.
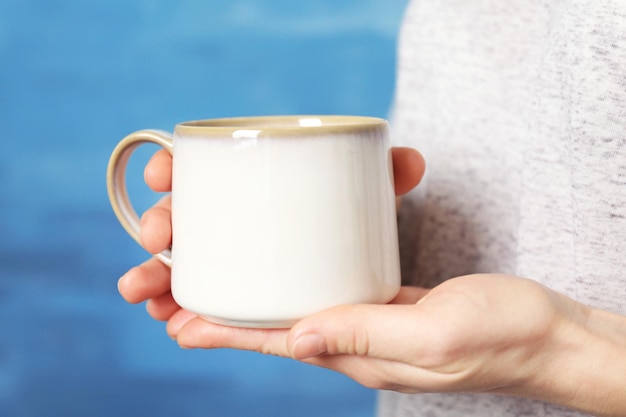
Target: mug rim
x=282 y=125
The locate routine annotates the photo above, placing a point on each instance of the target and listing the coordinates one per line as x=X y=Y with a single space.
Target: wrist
x=583 y=364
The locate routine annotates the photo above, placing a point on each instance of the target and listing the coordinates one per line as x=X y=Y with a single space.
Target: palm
x=457 y=336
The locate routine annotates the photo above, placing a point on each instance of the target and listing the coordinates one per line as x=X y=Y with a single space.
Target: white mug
x=274 y=218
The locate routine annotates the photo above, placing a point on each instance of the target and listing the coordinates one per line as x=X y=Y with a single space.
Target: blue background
x=75 y=77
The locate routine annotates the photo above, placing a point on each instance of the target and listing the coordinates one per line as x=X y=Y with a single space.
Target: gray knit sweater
x=519 y=107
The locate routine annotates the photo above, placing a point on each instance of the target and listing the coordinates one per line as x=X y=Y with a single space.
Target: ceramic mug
x=274 y=218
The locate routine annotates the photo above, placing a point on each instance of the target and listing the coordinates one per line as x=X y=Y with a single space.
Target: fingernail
x=119 y=282
x=308 y=346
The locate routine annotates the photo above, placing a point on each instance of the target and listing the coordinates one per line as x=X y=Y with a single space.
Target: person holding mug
x=517 y=296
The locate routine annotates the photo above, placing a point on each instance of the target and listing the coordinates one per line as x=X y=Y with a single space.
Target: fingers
x=148 y=280
x=408 y=169
x=177 y=321
x=191 y=331
x=156 y=226
x=163 y=307
x=338 y=332
x=199 y=333
x=379 y=331
x=158 y=171
x=364 y=330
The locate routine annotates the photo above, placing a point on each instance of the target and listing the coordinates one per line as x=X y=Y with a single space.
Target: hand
x=486 y=333
x=478 y=333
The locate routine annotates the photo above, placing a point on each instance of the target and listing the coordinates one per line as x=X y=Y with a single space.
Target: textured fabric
x=519 y=108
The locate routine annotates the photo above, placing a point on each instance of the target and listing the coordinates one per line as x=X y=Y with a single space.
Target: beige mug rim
x=281 y=125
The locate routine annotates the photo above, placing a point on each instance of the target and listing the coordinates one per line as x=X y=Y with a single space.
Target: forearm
x=587 y=369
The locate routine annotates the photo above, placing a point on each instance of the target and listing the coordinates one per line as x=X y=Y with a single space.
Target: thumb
x=380 y=331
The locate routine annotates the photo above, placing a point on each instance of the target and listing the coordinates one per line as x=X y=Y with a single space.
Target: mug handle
x=116 y=181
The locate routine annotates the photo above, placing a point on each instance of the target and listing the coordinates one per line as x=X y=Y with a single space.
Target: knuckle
x=357 y=341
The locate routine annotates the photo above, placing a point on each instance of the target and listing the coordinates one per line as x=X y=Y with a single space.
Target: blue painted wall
x=75 y=77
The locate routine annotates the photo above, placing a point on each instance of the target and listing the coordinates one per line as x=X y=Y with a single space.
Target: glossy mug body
x=275 y=218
